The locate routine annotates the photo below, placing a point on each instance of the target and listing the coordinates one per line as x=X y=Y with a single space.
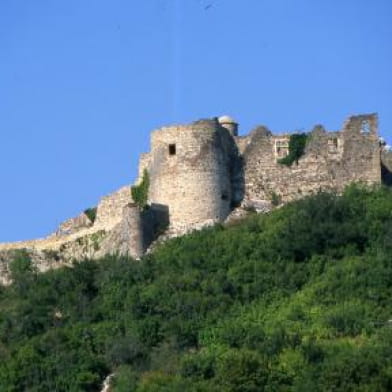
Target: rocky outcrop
x=106 y=387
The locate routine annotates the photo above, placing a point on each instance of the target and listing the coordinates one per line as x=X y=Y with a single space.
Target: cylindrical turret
x=228 y=123
x=189 y=173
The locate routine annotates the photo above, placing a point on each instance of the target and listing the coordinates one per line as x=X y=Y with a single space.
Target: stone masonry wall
x=361 y=155
x=117 y=229
x=127 y=237
x=73 y=225
x=190 y=172
x=144 y=164
x=124 y=238
x=242 y=142
x=386 y=166
x=199 y=173
x=110 y=208
x=331 y=161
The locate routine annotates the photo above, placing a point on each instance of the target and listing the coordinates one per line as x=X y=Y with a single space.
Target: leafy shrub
x=161 y=382
x=21 y=264
x=198 y=366
x=242 y=371
x=91 y=213
x=346 y=319
x=22 y=271
x=123 y=350
x=124 y=380
x=296 y=300
x=140 y=192
x=297 y=145
x=275 y=199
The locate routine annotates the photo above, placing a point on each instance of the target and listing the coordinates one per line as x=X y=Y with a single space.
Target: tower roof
x=226 y=120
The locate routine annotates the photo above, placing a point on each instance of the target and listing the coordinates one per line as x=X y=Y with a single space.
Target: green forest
x=298 y=299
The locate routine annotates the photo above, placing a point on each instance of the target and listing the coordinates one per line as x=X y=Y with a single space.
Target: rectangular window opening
x=281 y=148
x=333 y=145
x=365 y=127
x=172 y=149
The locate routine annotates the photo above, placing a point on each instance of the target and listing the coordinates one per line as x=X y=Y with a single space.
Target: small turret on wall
x=228 y=123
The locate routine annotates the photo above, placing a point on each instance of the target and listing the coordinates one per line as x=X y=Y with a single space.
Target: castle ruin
x=203 y=173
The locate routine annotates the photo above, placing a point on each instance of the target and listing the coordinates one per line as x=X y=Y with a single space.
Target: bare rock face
x=106 y=383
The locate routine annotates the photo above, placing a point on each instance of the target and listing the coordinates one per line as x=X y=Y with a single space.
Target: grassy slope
x=297 y=300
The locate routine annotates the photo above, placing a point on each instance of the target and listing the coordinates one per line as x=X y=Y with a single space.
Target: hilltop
x=203 y=173
x=297 y=299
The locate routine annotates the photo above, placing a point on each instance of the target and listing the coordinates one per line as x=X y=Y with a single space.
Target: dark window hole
x=172 y=149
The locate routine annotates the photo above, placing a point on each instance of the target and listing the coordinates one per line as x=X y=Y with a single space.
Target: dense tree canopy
x=295 y=300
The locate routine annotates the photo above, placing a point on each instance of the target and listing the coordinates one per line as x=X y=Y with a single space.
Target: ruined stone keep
x=203 y=173
x=200 y=172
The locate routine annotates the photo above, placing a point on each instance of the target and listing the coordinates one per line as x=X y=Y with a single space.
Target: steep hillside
x=295 y=300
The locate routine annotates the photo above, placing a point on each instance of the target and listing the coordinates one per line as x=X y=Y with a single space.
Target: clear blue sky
x=83 y=82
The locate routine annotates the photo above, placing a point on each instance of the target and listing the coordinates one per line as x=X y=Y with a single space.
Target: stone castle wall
x=144 y=164
x=386 y=166
x=200 y=174
x=361 y=156
x=242 y=142
x=110 y=208
x=117 y=229
x=126 y=238
x=331 y=161
x=190 y=172
x=73 y=225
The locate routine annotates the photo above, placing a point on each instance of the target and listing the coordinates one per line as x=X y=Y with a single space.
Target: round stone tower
x=228 y=123
x=190 y=173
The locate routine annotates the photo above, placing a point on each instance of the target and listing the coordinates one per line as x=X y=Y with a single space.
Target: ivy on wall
x=140 y=192
x=91 y=213
x=275 y=199
x=297 y=145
